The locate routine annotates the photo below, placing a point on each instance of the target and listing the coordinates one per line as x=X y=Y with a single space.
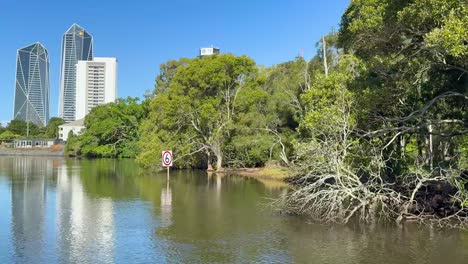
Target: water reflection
x=166 y=205
x=85 y=224
x=109 y=211
x=28 y=198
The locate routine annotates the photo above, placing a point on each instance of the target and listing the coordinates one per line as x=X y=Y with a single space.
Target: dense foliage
x=200 y=107
x=414 y=52
x=21 y=129
x=374 y=126
x=51 y=131
x=384 y=134
x=111 y=131
x=8 y=135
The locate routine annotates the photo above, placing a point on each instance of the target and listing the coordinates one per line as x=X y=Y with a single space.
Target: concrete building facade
x=77 y=127
x=96 y=84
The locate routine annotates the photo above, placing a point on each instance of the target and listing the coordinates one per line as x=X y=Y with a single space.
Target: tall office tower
x=77 y=45
x=96 y=84
x=32 y=85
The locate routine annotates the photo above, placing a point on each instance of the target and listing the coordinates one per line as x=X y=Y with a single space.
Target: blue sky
x=142 y=34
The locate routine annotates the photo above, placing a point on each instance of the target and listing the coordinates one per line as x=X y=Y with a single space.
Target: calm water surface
x=108 y=211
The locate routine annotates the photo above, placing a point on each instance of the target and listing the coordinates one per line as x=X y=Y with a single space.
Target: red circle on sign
x=164 y=160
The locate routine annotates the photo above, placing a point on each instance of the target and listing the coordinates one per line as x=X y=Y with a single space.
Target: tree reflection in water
x=106 y=211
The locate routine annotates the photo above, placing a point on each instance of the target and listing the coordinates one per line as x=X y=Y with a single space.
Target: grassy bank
x=277 y=173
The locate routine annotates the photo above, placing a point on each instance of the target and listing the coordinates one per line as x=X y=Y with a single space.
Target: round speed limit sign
x=166 y=158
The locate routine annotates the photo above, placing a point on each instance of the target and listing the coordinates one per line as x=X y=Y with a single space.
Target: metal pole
x=167 y=173
x=27 y=115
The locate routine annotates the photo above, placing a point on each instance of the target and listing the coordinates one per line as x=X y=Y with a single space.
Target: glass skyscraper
x=32 y=85
x=77 y=45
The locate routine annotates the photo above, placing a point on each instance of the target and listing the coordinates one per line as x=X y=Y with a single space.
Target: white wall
x=110 y=93
x=81 y=90
x=110 y=84
x=65 y=130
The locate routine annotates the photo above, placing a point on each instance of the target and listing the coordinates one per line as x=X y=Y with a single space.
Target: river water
x=109 y=211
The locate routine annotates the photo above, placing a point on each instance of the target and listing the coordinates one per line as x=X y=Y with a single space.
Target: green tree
x=167 y=72
x=73 y=146
x=20 y=127
x=51 y=130
x=6 y=135
x=195 y=114
x=111 y=130
x=416 y=56
x=390 y=118
x=286 y=82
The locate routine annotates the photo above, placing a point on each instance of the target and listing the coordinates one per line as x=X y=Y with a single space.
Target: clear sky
x=142 y=34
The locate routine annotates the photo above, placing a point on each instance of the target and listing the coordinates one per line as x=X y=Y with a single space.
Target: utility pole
x=325 y=64
x=27 y=115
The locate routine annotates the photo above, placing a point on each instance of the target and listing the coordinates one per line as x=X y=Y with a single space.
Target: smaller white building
x=77 y=127
x=96 y=84
x=209 y=51
x=33 y=143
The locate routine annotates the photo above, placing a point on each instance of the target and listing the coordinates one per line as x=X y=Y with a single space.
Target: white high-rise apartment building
x=96 y=84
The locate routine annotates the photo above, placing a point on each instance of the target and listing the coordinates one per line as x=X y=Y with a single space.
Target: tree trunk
x=219 y=157
x=431 y=148
x=402 y=147
x=325 y=64
x=208 y=156
x=219 y=162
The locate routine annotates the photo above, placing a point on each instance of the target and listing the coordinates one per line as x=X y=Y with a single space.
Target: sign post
x=167 y=160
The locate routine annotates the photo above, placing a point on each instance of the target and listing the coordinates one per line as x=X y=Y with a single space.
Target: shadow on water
x=107 y=211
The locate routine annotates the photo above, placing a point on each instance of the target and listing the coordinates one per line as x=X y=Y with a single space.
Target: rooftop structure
x=209 y=51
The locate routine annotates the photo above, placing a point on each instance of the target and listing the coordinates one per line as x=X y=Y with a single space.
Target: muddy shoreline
x=31 y=152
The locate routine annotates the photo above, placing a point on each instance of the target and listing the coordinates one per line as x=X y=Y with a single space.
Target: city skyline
x=32 y=88
x=144 y=38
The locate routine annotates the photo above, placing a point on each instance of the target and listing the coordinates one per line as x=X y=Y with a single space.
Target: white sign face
x=166 y=158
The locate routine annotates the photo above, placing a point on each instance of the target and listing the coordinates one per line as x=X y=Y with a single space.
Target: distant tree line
x=20 y=129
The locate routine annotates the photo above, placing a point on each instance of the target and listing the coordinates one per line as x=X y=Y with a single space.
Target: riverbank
x=277 y=173
x=124 y=210
x=49 y=152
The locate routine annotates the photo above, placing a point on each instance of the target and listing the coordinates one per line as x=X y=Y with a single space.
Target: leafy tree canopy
x=111 y=130
x=20 y=127
x=205 y=103
x=6 y=135
x=51 y=130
